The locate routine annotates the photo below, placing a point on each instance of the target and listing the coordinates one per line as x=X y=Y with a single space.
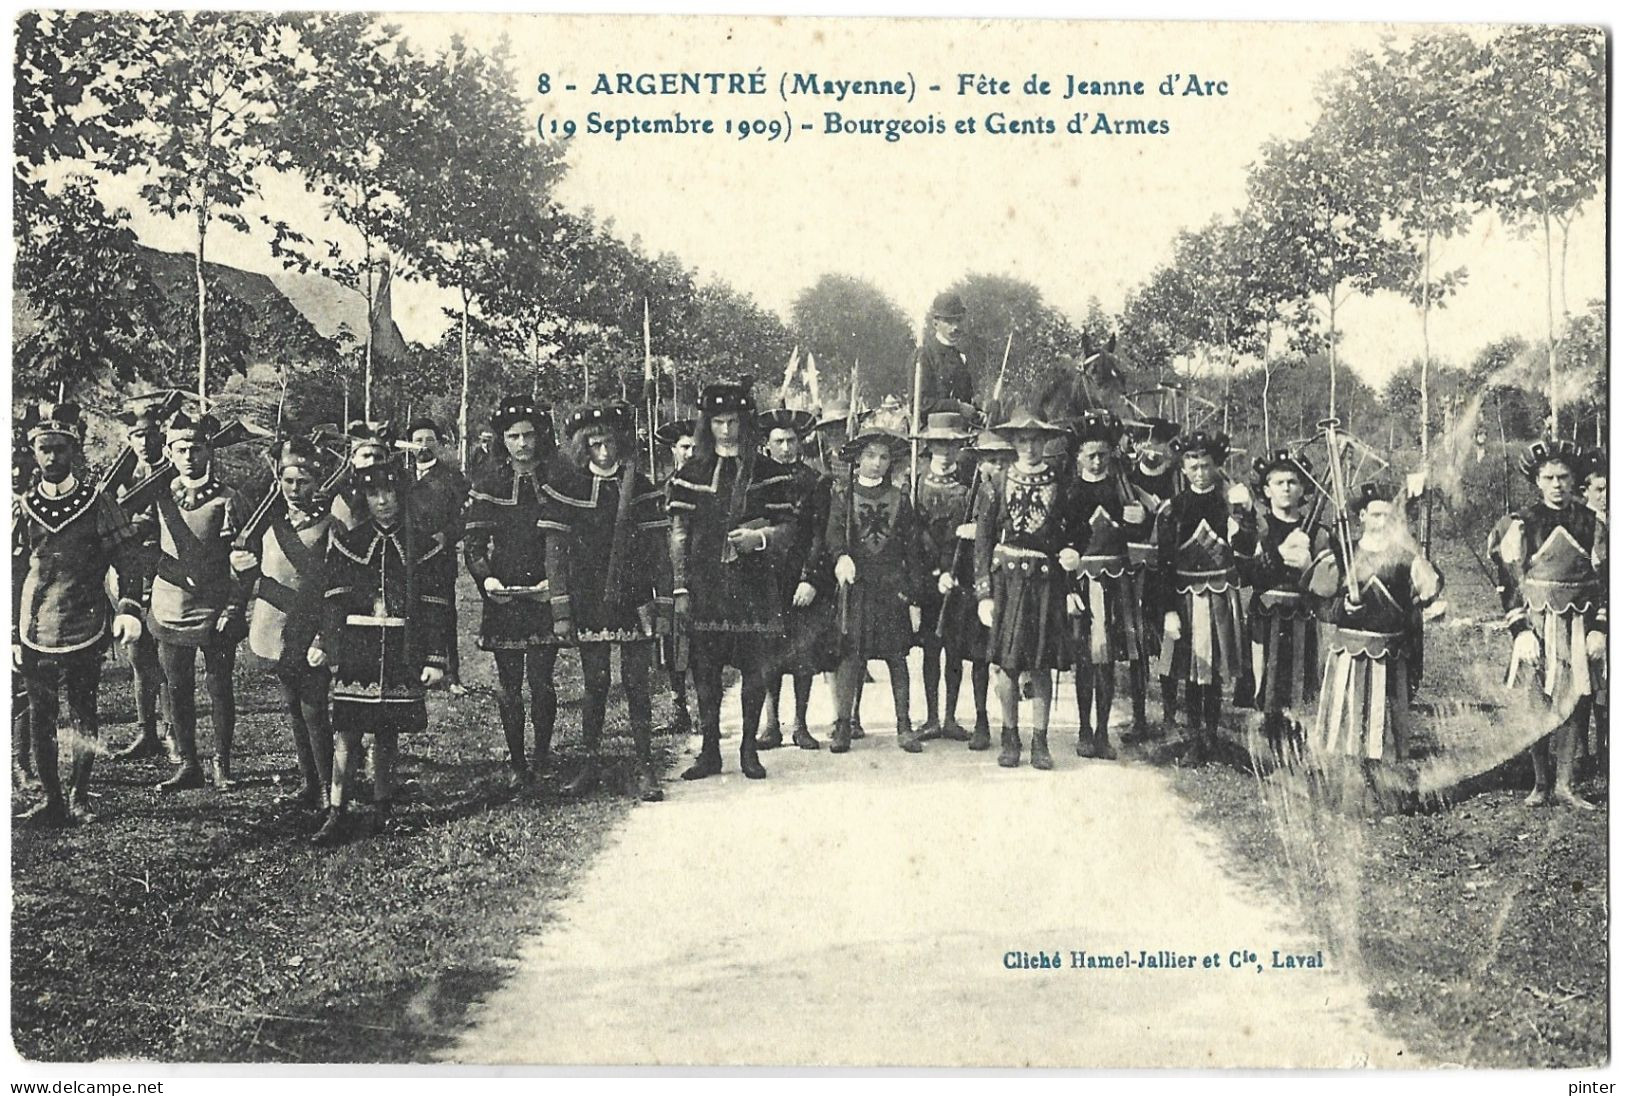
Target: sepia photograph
x=581 y=541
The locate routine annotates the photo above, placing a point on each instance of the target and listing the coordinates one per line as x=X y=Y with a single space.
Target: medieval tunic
x=730 y=594
x=1364 y=694
x=1030 y=517
x=1197 y=579
x=1282 y=616
x=383 y=621
x=504 y=540
x=1559 y=592
x=193 y=585
x=287 y=606
x=1151 y=492
x=885 y=548
x=579 y=521
x=61 y=549
x=809 y=632
x=1114 y=621
x=943 y=508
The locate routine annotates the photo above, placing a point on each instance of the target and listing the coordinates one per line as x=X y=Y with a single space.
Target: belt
x=366 y=620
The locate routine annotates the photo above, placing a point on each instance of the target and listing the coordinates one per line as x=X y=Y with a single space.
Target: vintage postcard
x=562 y=541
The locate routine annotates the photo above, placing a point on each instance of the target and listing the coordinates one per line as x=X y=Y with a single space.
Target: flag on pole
x=789 y=377
x=812 y=381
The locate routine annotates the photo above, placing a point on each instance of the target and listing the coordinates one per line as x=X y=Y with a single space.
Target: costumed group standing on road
x=783 y=544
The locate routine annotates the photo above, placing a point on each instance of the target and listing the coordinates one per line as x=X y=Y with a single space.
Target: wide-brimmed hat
x=948 y=306
x=855 y=446
x=616 y=416
x=989 y=444
x=149 y=408
x=520 y=408
x=1025 y=422
x=945 y=426
x=670 y=433
x=786 y=418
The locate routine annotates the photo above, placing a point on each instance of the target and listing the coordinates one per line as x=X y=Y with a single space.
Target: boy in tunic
x=678 y=438
x=192 y=606
x=507 y=556
x=1028 y=539
x=944 y=513
x=732 y=511
x=1364 y=703
x=606 y=530
x=383 y=632
x=965 y=637
x=1283 y=619
x=1154 y=480
x=872 y=536
x=1556 y=553
x=65 y=535
x=807 y=592
x=1113 y=621
x=284 y=576
x=1200 y=593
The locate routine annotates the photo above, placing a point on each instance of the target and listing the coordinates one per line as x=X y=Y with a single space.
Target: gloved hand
x=916 y=617
x=16 y=656
x=243 y=561
x=679 y=607
x=432 y=676
x=1232 y=527
x=966 y=531
x=1069 y=559
x=984 y=612
x=1074 y=604
x=1133 y=513
x=1171 y=626
x=846 y=571
x=491 y=585
x=1596 y=644
x=806 y=594
x=945 y=582
x=126 y=628
x=1295 y=549
x=1526 y=650
x=316 y=657
x=564 y=628
x=1435 y=610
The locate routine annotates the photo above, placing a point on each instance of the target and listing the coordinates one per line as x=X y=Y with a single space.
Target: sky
x=1079 y=216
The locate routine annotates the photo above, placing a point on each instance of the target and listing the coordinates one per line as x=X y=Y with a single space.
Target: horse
x=1092 y=381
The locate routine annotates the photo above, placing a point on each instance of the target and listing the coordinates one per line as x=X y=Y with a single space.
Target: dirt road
x=863 y=909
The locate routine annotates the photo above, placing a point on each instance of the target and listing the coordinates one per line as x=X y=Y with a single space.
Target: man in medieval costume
x=948 y=529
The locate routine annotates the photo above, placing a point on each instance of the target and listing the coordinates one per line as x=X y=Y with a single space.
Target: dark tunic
x=580 y=521
x=1030 y=518
x=1559 y=590
x=1283 y=614
x=729 y=593
x=943 y=508
x=61 y=549
x=809 y=635
x=503 y=540
x=885 y=548
x=383 y=620
x=1114 y=626
x=1364 y=693
x=1197 y=579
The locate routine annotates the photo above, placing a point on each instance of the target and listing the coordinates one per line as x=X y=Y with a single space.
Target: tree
x=1546 y=149
x=1321 y=229
x=206 y=84
x=477 y=175
x=1414 y=112
x=347 y=114
x=842 y=320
